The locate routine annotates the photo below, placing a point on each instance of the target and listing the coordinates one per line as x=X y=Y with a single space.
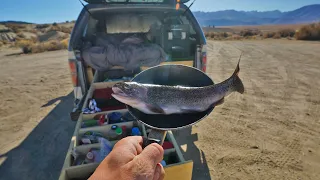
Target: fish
x=163 y=99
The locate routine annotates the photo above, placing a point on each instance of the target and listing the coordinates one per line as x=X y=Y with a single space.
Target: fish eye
x=126 y=86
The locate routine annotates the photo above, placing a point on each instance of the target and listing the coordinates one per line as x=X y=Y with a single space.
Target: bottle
x=119 y=132
x=112 y=134
x=163 y=163
x=124 y=131
x=102 y=120
x=105 y=149
x=89 y=123
x=89 y=158
x=135 y=131
x=114 y=117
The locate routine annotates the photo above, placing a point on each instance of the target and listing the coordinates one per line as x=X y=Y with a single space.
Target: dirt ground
x=263 y=28
x=270 y=132
x=34 y=139
x=273 y=130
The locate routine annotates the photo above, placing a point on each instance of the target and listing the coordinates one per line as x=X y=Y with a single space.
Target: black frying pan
x=171 y=75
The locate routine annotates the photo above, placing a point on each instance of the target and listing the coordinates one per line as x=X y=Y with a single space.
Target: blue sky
x=48 y=11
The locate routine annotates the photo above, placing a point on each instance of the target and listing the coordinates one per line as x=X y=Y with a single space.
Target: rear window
x=172 y=30
x=143 y=22
x=130 y=23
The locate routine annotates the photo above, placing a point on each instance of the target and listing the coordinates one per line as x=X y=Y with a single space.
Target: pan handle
x=155 y=136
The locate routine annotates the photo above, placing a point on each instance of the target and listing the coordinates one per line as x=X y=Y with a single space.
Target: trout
x=162 y=99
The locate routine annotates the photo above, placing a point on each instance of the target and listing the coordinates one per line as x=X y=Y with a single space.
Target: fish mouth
x=119 y=95
x=118 y=92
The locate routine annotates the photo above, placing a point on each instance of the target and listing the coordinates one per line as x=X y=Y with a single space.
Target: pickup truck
x=179 y=35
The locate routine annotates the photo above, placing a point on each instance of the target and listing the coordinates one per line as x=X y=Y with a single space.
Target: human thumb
x=144 y=165
x=152 y=154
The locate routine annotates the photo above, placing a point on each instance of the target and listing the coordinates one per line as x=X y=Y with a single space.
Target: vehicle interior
x=171 y=30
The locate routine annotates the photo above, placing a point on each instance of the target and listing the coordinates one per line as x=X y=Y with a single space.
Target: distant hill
x=305 y=14
x=14 y=22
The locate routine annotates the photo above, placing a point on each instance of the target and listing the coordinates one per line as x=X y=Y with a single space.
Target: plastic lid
x=135 y=131
x=115 y=116
x=90 y=155
x=114 y=127
x=163 y=163
x=119 y=131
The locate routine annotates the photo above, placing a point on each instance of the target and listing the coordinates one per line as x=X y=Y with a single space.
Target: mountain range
x=306 y=14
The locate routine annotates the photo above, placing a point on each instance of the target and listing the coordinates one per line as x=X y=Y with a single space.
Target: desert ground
x=272 y=131
x=262 y=28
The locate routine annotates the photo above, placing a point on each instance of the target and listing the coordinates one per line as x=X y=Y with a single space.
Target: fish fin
x=221 y=101
x=236 y=72
x=237 y=83
x=155 y=108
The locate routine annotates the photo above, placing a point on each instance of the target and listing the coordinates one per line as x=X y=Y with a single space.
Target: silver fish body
x=160 y=99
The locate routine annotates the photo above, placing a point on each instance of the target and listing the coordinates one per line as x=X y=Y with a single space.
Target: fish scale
x=160 y=99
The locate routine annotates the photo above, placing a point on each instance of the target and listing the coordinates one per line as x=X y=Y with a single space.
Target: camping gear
x=108 y=51
x=170 y=75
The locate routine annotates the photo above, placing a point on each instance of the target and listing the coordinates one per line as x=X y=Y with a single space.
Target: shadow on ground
x=41 y=155
x=15 y=54
x=52 y=101
x=200 y=167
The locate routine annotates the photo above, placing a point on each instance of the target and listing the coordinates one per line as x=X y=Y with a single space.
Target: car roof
x=134 y=1
x=134 y=7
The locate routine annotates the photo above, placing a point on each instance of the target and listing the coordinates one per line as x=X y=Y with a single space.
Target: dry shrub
x=65 y=29
x=21 y=35
x=54 y=28
x=60 y=28
x=23 y=42
x=5 y=30
x=1 y=43
x=268 y=34
x=65 y=42
x=4 y=42
x=34 y=31
x=42 y=26
x=54 y=45
x=16 y=28
x=25 y=45
x=286 y=33
x=211 y=35
x=42 y=47
x=34 y=39
x=249 y=32
x=236 y=37
x=309 y=32
x=277 y=36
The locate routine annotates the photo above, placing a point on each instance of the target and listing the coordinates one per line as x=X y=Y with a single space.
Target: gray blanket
x=129 y=53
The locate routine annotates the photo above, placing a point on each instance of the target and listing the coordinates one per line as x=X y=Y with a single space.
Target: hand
x=127 y=161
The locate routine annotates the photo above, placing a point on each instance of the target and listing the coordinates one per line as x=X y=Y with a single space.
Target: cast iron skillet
x=171 y=75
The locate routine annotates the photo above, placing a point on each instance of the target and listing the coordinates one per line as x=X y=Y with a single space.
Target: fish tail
x=236 y=72
x=237 y=83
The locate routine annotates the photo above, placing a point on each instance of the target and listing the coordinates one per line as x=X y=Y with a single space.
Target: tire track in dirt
x=278 y=71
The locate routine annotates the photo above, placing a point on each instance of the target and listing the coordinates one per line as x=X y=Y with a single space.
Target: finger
x=127 y=148
x=159 y=172
x=152 y=153
x=131 y=144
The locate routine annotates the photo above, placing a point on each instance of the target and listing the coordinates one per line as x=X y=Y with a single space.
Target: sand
x=272 y=131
